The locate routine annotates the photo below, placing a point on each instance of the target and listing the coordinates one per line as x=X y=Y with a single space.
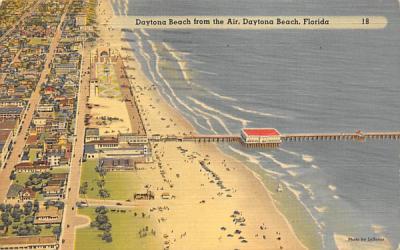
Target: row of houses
x=50 y=136
x=22 y=58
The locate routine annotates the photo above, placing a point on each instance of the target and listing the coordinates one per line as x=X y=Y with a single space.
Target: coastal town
x=82 y=159
x=93 y=156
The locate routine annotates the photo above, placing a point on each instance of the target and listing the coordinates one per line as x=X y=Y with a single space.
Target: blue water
x=295 y=81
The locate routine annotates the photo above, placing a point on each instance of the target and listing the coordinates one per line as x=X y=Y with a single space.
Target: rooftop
x=27 y=240
x=260 y=131
x=10 y=110
x=8 y=124
x=4 y=134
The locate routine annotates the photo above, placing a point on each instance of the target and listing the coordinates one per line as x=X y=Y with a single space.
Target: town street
x=20 y=139
x=71 y=217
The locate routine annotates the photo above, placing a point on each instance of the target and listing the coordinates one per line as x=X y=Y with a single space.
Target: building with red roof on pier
x=260 y=136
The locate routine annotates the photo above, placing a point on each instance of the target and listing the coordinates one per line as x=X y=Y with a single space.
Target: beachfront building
x=131 y=138
x=117 y=164
x=92 y=134
x=258 y=136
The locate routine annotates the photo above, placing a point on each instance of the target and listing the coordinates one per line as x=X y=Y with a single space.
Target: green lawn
x=125 y=228
x=120 y=185
x=32 y=154
x=39 y=41
x=22 y=178
x=59 y=170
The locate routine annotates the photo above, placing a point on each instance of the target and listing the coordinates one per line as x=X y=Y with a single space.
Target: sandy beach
x=214 y=201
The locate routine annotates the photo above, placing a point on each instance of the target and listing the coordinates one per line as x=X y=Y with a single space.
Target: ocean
x=294 y=81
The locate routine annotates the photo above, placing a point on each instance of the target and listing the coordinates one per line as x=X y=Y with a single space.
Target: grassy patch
x=125 y=228
x=32 y=154
x=21 y=178
x=59 y=170
x=120 y=185
x=39 y=41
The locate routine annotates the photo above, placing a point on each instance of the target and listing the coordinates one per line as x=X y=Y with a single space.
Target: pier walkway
x=286 y=138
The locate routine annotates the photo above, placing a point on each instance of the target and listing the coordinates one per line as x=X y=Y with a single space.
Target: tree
x=13 y=175
x=36 y=230
x=105 y=226
x=8 y=208
x=106 y=237
x=83 y=188
x=102 y=218
x=101 y=183
x=104 y=193
x=101 y=210
x=57 y=231
x=101 y=170
x=29 y=219
x=6 y=219
x=59 y=205
x=36 y=206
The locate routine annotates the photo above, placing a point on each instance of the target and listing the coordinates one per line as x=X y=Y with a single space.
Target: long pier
x=340 y=136
x=287 y=138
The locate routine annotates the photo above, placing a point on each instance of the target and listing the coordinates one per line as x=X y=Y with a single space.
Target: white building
x=260 y=135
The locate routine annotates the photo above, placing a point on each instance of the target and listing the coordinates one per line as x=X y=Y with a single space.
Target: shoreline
x=183 y=122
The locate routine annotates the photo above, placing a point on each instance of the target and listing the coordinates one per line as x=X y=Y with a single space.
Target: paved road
x=33 y=102
x=113 y=203
x=71 y=219
x=22 y=18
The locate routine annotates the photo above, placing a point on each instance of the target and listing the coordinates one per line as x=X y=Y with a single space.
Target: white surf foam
x=204 y=115
x=221 y=96
x=181 y=63
x=273 y=173
x=258 y=112
x=207 y=72
x=183 y=66
x=171 y=100
x=250 y=158
x=296 y=192
x=309 y=190
x=321 y=209
x=307 y=158
x=279 y=163
x=144 y=32
x=292 y=173
x=155 y=50
x=205 y=106
x=289 y=152
x=126 y=8
x=332 y=187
